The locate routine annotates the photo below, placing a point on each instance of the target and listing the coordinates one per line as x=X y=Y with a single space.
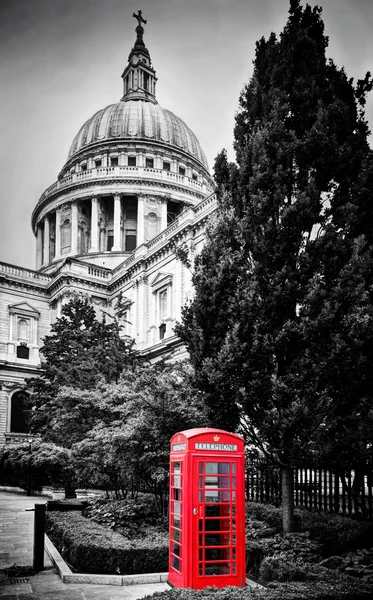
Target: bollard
x=39 y=529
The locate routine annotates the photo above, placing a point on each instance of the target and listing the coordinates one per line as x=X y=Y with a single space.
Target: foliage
x=336 y=533
x=81 y=351
x=91 y=548
x=280 y=567
x=280 y=328
x=132 y=517
x=35 y=464
x=294 y=546
x=129 y=446
x=287 y=591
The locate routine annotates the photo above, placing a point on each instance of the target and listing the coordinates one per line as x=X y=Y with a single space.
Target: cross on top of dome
x=139 y=76
x=139 y=28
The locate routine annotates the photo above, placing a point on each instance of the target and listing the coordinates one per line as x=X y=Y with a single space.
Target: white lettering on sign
x=177 y=447
x=230 y=447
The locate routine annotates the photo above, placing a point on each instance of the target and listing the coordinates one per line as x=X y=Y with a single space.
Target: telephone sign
x=207 y=509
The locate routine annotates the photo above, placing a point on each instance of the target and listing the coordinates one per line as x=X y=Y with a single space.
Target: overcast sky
x=61 y=61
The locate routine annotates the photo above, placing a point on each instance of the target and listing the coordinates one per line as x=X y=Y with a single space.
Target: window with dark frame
x=181 y=171
x=132 y=161
x=23 y=352
x=166 y=166
x=114 y=161
x=162 y=331
x=149 y=163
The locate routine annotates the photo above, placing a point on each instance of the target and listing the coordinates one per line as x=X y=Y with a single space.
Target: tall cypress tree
x=280 y=329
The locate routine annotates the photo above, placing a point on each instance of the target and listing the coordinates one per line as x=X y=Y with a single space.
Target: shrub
x=289 y=591
x=265 y=512
x=34 y=465
x=91 y=548
x=280 y=568
x=123 y=515
x=294 y=546
x=337 y=533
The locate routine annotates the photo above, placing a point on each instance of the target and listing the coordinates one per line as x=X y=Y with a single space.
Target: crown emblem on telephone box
x=216 y=438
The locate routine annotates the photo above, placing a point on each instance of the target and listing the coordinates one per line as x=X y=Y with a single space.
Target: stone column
x=142 y=310
x=74 y=228
x=46 y=241
x=140 y=219
x=39 y=247
x=178 y=288
x=94 y=224
x=117 y=215
x=164 y=213
x=57 y=252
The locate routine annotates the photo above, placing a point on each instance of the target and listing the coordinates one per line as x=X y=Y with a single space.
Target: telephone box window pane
x=177 y=467
x=217 y=482
x=233 y=496
x=176 y=549
x=176 y=536
x=200 y=570
x=219 y=511
x=200 y=467
x=217 y=525
x=234 y=468
x=233 y=482
x=217 y=468
x=176 y=563
x=177 y=522
x=215 y=496
x=177 y=508
x=177 y=494
x=217 y=569
x=216 y=539
x=177 y=481
x=233 y=568
x=234 y=525
x=233 y=510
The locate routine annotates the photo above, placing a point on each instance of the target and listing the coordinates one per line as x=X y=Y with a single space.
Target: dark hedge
x=90 y=548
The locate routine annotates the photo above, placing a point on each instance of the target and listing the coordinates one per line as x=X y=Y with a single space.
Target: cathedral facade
x=135 y=187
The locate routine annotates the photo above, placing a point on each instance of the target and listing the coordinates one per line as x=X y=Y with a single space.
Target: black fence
x=342 y=492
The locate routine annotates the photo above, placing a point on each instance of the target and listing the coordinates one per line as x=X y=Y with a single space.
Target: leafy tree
x=80 y=351
x=280 y=329
x=129 y=447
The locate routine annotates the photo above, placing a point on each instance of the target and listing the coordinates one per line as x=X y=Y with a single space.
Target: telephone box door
x=218 y=545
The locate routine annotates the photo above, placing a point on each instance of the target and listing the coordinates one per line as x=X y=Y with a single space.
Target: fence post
x=39 y=529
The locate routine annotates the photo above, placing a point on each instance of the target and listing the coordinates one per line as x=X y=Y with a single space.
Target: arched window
x=152 y=223
x=19 y=421
x=23 y=329
x=65 y=237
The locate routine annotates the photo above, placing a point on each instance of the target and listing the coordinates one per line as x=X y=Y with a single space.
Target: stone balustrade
x=125 y=173
x=23 y=273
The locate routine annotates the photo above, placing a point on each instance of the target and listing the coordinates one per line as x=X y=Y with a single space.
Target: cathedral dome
x=138 y=120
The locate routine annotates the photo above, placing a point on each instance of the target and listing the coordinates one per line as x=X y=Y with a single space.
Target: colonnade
x=44 y=248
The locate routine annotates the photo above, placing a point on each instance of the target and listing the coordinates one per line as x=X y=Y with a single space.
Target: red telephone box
x=207 y=509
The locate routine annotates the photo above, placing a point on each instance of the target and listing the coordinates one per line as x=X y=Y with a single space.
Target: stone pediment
x=160 y=280
x=23 y=308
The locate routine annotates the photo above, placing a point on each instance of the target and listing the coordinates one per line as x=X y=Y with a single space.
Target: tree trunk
x=287 y=486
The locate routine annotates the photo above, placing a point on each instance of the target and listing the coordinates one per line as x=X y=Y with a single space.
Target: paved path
x=16 y=546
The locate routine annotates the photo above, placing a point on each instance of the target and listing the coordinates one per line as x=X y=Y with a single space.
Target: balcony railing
x=23 y=273
x=125 y=173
